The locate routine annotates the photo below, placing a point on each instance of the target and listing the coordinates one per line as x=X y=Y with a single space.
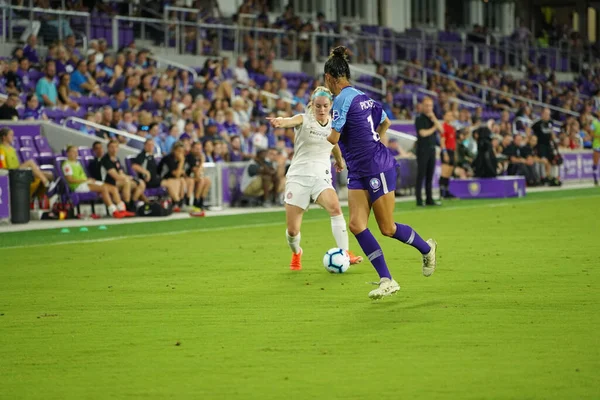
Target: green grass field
x=202 y=309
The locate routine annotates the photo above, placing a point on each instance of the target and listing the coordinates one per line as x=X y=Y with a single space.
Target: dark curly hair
x=337 y=63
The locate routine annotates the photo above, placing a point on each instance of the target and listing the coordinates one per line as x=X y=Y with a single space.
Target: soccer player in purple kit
x=358 y=124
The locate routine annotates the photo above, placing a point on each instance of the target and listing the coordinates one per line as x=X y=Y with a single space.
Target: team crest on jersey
x=375 y=183
x=336 y=115
x=289 y=195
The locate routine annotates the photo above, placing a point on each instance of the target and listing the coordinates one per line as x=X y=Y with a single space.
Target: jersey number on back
x=375 y=134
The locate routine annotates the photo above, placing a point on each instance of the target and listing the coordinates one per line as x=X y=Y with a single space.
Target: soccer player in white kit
x=309 y=175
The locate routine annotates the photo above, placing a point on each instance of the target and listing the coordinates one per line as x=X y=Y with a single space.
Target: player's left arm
x=383 y=127
x=337 y=155
x=334 y=137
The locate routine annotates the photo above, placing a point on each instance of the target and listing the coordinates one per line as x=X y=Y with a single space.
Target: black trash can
x=20 y=182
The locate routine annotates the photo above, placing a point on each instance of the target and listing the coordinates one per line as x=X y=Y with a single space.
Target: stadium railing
x=485 y=89
x=381 y=90
x=104 y=128
x=386 y=46
x=162 y=60
x=63 y=16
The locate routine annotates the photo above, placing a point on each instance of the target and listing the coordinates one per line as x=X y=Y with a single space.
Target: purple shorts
x=376 y=185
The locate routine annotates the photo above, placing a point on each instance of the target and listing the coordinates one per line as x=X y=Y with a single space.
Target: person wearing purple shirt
x=23 y=73
x=32 y=110
x=358 y=124
x=231 y=128
x=226 y=72
x=29 y=51
x=236 y=154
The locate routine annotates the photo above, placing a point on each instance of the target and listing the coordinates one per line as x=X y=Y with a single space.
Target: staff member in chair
x=448 y=146
x=427 y=125
x=132 y=189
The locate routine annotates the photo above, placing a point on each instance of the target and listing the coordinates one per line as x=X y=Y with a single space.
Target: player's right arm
x=291 y=122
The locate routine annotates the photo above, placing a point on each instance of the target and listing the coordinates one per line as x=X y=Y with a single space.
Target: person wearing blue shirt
x=81 y=82
x=170 y=139
x=46 y=88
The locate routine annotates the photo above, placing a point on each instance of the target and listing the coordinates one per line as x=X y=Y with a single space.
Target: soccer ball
x=336 y=261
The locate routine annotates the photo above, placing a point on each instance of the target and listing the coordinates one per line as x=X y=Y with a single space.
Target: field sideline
x=207 y=309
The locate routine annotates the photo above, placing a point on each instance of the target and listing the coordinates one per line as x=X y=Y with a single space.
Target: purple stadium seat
x=27 y=153
x=129 y=165
x=26 y=141
x=41 y=144
x=84 y=152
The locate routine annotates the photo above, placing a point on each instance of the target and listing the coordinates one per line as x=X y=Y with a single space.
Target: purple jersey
x=356 y=117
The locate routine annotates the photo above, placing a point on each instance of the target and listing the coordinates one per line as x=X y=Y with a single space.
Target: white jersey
x=312 y=151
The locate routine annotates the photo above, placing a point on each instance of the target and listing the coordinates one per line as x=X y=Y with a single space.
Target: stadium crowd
x=221 y=115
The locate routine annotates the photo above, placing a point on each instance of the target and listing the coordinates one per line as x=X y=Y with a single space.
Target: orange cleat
x=118 y=214
x=296 y=264
x=354 y=259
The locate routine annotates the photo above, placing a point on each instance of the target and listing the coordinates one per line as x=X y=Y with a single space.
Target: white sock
x=121 y=206
x=340 y=234
x=111 y=209
x=191 y=200
x=293 y=242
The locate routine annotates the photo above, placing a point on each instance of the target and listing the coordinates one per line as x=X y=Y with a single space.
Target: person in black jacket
x=485 y=164
x=427 y=126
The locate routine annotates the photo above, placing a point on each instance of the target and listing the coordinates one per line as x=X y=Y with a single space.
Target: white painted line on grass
x=282 y=223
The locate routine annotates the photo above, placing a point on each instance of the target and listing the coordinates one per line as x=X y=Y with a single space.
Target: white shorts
x=299 y=191
x=85 y=187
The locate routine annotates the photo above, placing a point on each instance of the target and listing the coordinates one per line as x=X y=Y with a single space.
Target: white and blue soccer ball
x=336 y=261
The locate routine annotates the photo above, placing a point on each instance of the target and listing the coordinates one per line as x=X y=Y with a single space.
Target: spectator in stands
x=82 y=82
x=170 y=139
x=259 y=140
x=13 y=79
x=503 y=101
x=64 y=92
x=153 y=132
x=23 y=72
x=79 y=182
x=32 y=110
x=260 y=179
x=8 y=110
x=388 y=105
x=230 y=126
x=46 y=87
x=236 y=153
x=147 y=169
x=131 y=189
x=194 y=164
x=523 y=120
x=30 y=50
x=240 y=72
x=42 y=180
x=504 y=122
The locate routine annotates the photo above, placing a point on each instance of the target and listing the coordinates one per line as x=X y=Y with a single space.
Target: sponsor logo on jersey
x=336 y=115
x=375 y=184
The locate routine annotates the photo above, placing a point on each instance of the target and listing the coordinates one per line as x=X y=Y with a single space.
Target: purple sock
x=407 y=235
x=369 y=245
